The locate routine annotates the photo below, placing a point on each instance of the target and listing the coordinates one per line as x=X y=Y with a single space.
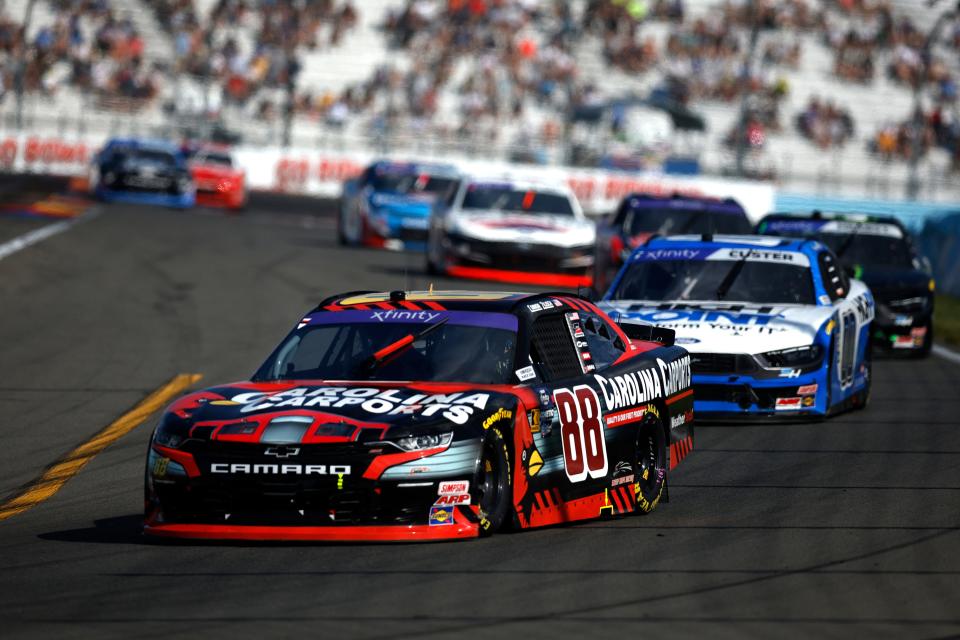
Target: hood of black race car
x=890 y=283
x=339 y=407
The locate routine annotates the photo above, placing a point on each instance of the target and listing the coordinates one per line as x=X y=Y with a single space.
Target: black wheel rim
x=650 y=461
x=491 y=479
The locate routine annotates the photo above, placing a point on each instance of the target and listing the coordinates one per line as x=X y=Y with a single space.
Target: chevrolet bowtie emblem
x=282 y=451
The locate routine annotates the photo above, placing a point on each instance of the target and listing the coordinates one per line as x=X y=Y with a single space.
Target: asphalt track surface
x=838 y=529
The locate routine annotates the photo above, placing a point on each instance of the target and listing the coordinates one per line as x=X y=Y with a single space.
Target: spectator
x=825 y=124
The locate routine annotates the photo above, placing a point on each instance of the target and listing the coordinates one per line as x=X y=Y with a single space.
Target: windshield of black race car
x=468 y=346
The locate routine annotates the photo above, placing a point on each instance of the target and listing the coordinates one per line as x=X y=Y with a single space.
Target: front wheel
x=927 y=342
x=433 y=253
x=349 y=229
x=651 y=464
x=492 y=483
x=863 y=397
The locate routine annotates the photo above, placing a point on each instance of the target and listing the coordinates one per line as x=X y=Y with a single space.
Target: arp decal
x=787 y=404
x=581 y=431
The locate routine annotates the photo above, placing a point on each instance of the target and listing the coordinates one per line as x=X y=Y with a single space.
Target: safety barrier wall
x=321 y=173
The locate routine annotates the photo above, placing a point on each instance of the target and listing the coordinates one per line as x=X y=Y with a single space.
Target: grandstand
x=422 y=76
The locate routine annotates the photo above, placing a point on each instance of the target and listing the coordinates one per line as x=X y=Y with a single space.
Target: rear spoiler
x=649 y=333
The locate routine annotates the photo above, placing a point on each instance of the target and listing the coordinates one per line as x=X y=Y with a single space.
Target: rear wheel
x=492 y=484
x=341 y=236
x=651 y=463
x=433 y=253
x=863 y=396
x=350 y=229
x=927 y=342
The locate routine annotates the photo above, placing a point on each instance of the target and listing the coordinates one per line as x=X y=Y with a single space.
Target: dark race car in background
x=142 y=171
x=640 y=217
x=420 y=416
x=774 y=328
x=220 y=182
x=879 y=251
x=510 y=230
x=389 y=204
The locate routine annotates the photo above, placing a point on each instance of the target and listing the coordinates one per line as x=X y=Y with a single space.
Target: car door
x=573 y=436
x=853 y=313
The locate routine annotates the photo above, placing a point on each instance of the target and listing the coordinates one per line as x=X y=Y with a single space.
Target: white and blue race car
x=774 y=326
x=388 y=206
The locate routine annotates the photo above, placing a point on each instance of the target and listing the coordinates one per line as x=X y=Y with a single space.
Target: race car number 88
x=581 y=430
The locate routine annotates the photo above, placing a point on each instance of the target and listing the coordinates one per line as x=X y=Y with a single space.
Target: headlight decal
x=796 y=357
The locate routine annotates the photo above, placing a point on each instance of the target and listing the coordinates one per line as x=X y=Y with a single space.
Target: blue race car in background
x=142 y=171
x=774 y=326
x=389 y=204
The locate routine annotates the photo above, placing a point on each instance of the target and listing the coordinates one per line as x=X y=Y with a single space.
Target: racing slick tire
x=651 y=464
x=493 y=486
x=341 y=236
x=863 y=396
x=831 y=368
x=349 y=227
x=924 y=351
x=433 y=268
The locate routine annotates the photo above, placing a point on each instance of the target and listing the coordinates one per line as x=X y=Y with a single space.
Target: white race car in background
x=512 y=231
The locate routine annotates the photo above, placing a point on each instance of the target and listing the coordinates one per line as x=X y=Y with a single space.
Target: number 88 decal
x=581 y=429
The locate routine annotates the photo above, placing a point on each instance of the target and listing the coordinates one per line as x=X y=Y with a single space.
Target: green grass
x=946 y=320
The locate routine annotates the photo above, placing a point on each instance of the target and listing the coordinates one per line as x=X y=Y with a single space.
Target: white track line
x=946 y=354
x=19 y=243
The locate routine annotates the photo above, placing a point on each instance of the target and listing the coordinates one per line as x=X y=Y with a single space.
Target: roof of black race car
x=492 y=301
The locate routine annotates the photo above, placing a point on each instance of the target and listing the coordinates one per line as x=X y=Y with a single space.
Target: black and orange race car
x=424 y=416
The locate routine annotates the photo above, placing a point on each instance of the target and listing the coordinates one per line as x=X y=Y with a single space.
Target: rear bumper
x=490 y=260
x=407 y=533
x=892 y=338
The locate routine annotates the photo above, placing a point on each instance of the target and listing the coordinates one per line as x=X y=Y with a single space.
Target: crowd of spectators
x=495 y=60
x=472 y=65
x=936 y=128
x=88 y=44
x=247 y=45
